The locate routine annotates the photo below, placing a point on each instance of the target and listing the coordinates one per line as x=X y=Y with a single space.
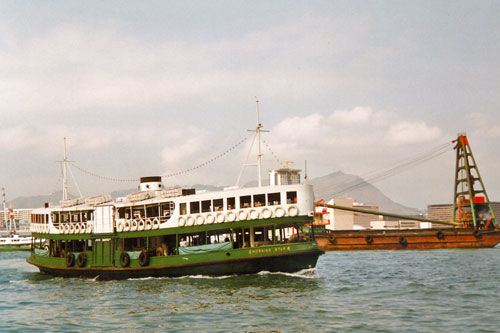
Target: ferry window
x=65 y=217
x=245 y=201
x=55 y=217
x=274 y=199
x=218 y=205
x=291 y=197
x=206 y=206
x=183 y=209
x=152 y=211
x=259 y=200
x=121 y=212
x=167 y=208
x=138 y=212
x=75 y=217
x=231 y=203
x=194 y=207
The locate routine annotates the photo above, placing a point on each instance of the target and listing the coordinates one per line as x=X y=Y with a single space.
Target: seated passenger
x=183 y=243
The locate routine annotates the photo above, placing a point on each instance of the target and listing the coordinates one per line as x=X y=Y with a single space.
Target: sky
x=144 y=88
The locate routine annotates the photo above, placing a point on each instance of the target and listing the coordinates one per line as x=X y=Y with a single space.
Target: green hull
x=275 y=258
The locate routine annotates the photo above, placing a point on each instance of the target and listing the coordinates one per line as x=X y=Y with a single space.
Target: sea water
x=382 y=291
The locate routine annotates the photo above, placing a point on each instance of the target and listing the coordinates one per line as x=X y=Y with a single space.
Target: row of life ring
x=242 y=215
x=75 y=228
x=40 y=228
x=138 y=225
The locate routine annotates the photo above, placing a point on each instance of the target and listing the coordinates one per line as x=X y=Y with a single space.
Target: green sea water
x=372 y=291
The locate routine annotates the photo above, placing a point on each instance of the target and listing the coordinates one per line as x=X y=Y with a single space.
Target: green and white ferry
x=159 y=232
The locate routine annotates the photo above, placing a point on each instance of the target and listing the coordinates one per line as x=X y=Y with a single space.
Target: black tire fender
x=144 y=258
x=70 y=259
x=81 y=260
x=124 y=259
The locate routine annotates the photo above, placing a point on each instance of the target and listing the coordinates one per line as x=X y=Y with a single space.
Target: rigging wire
x=90 y=173
x=387 y=172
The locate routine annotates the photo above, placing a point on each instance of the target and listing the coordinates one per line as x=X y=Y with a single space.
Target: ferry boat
x=12 y=241
x=160 y=232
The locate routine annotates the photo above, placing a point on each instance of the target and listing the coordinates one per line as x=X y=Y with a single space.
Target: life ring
x=254 y=214
x=77 y=228
x=83 y=228
x=141 y=225
x=144 y=258
x=369 y=239
x=220 y=218
x=242 y=215
x=293 y=211
x=403 y=241
x=66 y=228
x=156 y=223
x=180 y=222
x=279 y=211
x=210 y=219
x=190 y=221
x=72 y=228
x=149 y=225
x=331 y=238
x=90 y=227
x=200 y=220
x=133 y=225
x=81 y=260
x=230 y=217
x=477 y=234
x=70 y=259
x=124 y=259
x=266 y=213
x=440 y=235
x=119 y=226
x=126 y=225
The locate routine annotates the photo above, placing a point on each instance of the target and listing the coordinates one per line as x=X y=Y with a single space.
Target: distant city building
x=365 y=220
x=19 y=215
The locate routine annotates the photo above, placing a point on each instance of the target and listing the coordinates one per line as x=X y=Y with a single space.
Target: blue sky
x=154 y=87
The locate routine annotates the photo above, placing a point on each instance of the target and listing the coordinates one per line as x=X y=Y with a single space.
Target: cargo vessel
x=160 y=232
x=473 y=224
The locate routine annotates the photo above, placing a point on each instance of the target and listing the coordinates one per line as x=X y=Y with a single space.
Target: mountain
x=341 y=185
x=325 y=187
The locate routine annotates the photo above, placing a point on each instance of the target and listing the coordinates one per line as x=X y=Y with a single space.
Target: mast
x=257 y=131
x=259 y=155
x=65 y=174
x=4 y=208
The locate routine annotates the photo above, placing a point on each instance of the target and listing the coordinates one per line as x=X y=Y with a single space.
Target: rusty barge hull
x=419 y=239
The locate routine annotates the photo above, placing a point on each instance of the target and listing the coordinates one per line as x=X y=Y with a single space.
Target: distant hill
x=334 y=184
x=325 y=187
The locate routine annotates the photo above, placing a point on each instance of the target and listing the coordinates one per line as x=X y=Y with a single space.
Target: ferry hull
x=283 y=262
x=420 y=239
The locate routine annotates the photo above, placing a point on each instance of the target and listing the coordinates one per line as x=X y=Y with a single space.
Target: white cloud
x=356 y=116
x=405 y=132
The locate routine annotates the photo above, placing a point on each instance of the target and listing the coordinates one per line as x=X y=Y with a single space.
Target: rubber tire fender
x=403 y=241
x=124 y=259
x=331 y=238
x=144 y=258
x=70 y=259
x=369 y=239
x=81 y=260
x=440 y=235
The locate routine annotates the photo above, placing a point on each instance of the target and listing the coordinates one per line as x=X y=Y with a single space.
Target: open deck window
x=138 y=212
x=183 y=209
x=218 y=205
x=152 y=211
x=245 y=201
x=274 y=199
x=291 y=197
x=167 y=209
x=194 y=207
x=231 y=203
x=259 y=200
x=206 y=206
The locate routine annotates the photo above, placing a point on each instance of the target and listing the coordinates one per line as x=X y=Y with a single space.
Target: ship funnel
x=152 y=183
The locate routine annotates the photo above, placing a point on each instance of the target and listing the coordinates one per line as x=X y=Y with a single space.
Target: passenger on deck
x=182 y=243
